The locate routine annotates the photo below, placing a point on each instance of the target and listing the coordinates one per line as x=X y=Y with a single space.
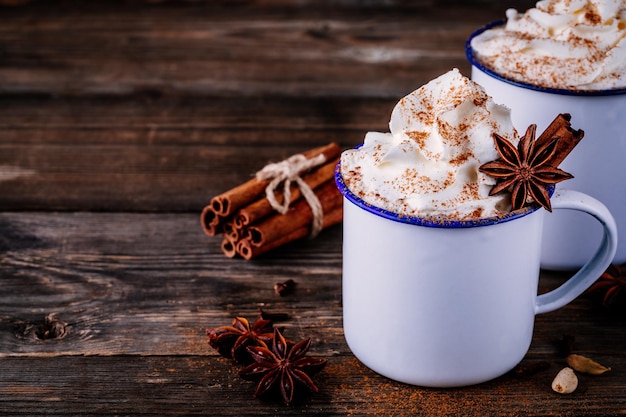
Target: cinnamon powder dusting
x=419 y=137
x=592 y=15
x=570 y=56
x=427 y=165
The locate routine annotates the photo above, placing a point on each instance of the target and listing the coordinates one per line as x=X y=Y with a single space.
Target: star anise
x=232 y=341
x=611 y=288
x=526 y=170
x=282 y=368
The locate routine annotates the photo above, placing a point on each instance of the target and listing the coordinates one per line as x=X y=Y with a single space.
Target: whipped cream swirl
x=427 y=165
x=565 y=44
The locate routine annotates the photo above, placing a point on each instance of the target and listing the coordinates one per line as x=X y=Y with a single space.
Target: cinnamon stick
x=231 y=231
x=229 y=212
x=247 y=250
x=299 y=215
x=229 y=247
x=568 y=138
x=262 y=208
x=229 y=201
x=226 y=203
x=211 y=222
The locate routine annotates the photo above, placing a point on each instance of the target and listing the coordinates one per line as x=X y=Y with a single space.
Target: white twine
x=289 y=170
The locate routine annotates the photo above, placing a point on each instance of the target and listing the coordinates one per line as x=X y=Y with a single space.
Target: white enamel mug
x=597 y=162
x=453 y=303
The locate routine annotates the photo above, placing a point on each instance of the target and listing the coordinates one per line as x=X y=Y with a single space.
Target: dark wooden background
x=120 y=120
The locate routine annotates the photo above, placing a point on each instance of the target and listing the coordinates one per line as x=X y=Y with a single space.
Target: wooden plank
x=137 y=259
x=182 y=120
x=307 y=101
x=352 y=52
x=170 y=154
x=90 y=268
x=137 y=291
x=163 y=386
x=126 y=178
x=150 y=284
x=359 y=4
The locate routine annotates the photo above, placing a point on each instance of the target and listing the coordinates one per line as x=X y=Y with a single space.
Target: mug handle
x=596 y=265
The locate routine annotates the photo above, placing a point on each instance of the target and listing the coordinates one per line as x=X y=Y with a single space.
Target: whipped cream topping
x=427 y=165
x=567 y=44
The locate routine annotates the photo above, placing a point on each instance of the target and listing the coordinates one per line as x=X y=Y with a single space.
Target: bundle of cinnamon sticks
x=250 y=225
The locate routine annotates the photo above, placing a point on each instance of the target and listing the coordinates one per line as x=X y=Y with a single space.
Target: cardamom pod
x=565 y=382
x=585 y=365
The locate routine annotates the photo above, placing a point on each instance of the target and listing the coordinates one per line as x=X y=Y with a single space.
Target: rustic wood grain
x=164 y=154
x=162 y=119
x=203 y=49
x=160 y=107
x=178 y=385
x=119 y=120
x=150 y=284
x=137 y=291
x=127 y=178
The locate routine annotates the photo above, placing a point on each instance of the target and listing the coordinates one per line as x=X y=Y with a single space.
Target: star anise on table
x=282 y=368
x=232 y=341
x=611 y=287
x=526 y=170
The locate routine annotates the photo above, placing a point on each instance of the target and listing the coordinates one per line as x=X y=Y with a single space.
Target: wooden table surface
x=120 y=120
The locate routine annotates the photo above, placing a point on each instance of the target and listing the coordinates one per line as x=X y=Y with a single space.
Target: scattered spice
x=565 y=381
x=280 y=364
x=526 y=169
x=232 y=341
x=527 y=369
x=284 y=288
x=611 y=288
x=282 y=368
x=585 y=365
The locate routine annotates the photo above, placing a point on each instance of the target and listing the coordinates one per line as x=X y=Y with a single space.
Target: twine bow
x=288 y=171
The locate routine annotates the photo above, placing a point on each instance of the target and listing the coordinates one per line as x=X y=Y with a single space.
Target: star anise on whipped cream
x=527 y=170
x=283 y=367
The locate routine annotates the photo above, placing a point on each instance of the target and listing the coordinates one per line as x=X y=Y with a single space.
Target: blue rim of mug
x=426 y=221
x=469 y=53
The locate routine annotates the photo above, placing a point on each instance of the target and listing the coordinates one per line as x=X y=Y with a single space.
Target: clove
x=284 y=288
